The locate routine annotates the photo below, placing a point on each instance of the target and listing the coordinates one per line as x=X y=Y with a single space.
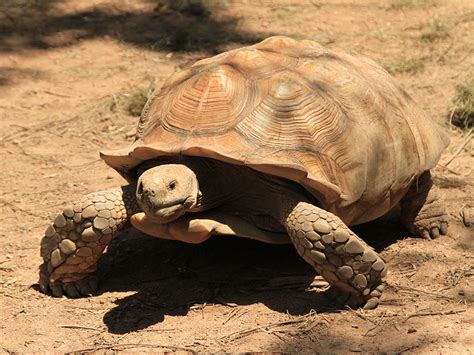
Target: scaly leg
x=73 y=244
x=423 y=212
x=336 y=253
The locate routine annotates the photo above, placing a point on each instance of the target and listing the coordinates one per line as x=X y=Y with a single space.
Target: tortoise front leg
x=336 y=253
x=423 y=212
x=73 y=244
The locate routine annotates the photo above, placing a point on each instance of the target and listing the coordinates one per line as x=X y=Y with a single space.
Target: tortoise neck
x=238 y=189
x=219 y=183
x=242 y=190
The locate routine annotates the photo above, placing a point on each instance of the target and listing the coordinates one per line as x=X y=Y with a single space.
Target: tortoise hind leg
x=73 y=244
x=336 y=253
x=422 y=211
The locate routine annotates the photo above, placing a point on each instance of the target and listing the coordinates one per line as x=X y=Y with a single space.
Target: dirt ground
x=69 y=74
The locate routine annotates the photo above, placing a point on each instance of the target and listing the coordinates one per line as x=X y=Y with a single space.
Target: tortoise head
x=166 y=192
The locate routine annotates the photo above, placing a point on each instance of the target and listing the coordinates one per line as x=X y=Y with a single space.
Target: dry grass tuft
x=463 y=111
x=411 y=4
x=436 y=30
x=409 y=66
x=132 y=103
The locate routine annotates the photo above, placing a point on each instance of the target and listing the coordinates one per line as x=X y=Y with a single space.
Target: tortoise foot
x=73 y=244
x=336 y=253
x=352 y=300
x=75 y=285
x=423 y=212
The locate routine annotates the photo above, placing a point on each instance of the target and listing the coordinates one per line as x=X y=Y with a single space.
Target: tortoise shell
x=335 y=123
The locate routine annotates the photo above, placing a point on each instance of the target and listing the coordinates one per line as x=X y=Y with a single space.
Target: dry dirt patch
x=67 y=71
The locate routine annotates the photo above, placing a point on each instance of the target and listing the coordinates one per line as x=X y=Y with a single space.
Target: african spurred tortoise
x=282 y=141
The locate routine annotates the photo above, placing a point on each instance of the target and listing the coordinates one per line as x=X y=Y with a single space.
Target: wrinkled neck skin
x=237 y=189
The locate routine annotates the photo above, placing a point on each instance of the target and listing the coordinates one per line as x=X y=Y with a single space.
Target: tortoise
x=284 y=141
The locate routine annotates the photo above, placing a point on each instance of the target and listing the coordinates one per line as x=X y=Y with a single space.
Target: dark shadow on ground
x=170 y=277
x=155 y=27
x=10 y=75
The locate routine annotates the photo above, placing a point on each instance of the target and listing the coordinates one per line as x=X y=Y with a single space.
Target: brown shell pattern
x=333 y=122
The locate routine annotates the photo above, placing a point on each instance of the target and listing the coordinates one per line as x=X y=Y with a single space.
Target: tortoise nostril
x=152 y=192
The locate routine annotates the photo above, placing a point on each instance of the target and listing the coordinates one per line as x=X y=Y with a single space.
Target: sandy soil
x=67 y=72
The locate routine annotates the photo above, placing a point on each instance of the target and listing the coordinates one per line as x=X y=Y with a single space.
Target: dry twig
x=461 y=147
x=74 y=326
x=306 y=325
x=432 y=313
x=130 y=345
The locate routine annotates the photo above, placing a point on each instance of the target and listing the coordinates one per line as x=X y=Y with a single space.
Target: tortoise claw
x=71 y=290
x=435 y=233
x=56 y=290
x=444 y=228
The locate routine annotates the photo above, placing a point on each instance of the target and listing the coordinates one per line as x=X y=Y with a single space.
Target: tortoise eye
x=172 y=185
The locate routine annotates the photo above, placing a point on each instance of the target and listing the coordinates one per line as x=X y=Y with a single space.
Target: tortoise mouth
x=165 y=213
